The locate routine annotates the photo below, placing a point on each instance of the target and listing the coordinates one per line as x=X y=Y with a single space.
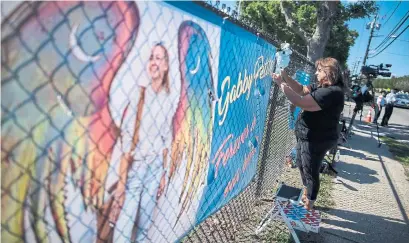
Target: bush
x=400 y=83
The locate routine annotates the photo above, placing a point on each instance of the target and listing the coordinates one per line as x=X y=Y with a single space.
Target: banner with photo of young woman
x=125 y=121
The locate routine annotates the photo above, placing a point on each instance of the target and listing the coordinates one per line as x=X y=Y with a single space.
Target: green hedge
x=401 y=83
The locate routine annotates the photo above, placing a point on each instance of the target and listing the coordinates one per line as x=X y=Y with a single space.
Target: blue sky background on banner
x=239 y=51
x=304 y=79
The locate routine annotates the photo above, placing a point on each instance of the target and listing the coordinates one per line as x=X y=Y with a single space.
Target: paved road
x=398 y=124
x=399 y=116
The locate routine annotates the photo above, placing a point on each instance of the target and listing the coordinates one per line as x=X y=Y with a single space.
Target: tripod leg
x=376 y=121
x=350 y=124
x=377 y=130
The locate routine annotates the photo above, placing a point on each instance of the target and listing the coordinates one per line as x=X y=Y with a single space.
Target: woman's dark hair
x=333 y=71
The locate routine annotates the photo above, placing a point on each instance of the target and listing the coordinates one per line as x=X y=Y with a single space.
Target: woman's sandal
x=309 y=204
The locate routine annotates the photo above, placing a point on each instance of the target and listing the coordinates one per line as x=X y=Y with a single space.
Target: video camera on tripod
x=374 y=71
x=361 y=94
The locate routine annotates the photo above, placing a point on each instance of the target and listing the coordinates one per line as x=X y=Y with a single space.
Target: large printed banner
x=125 y=121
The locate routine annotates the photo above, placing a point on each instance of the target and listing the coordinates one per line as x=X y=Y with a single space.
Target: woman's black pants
x=309 y=158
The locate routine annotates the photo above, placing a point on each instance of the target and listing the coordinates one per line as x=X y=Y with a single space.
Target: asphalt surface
x=398 y=124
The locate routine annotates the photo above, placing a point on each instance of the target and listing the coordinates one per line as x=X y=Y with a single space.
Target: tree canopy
x=400 y=83
x=305 y=25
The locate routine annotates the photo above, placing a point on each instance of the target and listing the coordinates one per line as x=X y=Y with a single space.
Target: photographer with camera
x=390 y=100
x=366 y=94
x=317 y=128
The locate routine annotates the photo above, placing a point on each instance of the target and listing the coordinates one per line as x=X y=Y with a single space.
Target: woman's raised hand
x=277 y=78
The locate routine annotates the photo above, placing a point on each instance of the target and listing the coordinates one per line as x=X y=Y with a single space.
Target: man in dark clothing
x=390 y=100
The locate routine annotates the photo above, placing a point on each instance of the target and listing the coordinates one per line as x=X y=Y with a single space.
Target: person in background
x=317 y=128
x=380 y=102
x=390 y=100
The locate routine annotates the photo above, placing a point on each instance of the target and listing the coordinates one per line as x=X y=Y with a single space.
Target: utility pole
x=239 y=10
x=373 y=24
x=353 y=69
x=357 y=66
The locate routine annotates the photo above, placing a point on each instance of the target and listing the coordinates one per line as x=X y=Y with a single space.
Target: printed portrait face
x=158 y=63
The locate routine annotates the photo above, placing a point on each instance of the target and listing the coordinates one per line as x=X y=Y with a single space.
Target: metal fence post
x=269 y=129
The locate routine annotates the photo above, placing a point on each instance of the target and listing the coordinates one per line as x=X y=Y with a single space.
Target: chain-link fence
x=113 y=122
x=237 y=221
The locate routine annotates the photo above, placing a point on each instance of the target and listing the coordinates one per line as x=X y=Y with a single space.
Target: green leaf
x=268 y=16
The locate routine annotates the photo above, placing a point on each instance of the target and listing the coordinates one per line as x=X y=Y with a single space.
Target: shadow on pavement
x=397 y=126
x=366 y=221
x=362 y=227
x=395 y=194
x=352 y=153
x=346 y=185
x=349 y=226
x=369 y=143
x=395 y=131
x=356 y=173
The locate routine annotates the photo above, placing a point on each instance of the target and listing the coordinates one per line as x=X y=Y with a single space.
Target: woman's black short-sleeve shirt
x=321 y=126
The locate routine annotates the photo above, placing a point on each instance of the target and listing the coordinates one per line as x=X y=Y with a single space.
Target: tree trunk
x=317 y=42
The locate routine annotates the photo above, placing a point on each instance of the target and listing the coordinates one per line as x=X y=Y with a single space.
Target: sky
x=397 y=53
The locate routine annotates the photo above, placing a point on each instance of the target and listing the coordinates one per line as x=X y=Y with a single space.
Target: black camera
x=376 y=70
x=361 y=95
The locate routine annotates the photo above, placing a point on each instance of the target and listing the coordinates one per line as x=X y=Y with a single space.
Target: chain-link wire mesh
x=237 y=221
x=107 y=116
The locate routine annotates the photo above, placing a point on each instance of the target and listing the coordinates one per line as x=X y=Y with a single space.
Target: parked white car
x=402 y=100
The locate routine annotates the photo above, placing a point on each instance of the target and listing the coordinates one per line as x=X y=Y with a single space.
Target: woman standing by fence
x=317 y=129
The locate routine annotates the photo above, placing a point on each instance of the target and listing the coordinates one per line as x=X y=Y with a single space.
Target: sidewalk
x=371 y=193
